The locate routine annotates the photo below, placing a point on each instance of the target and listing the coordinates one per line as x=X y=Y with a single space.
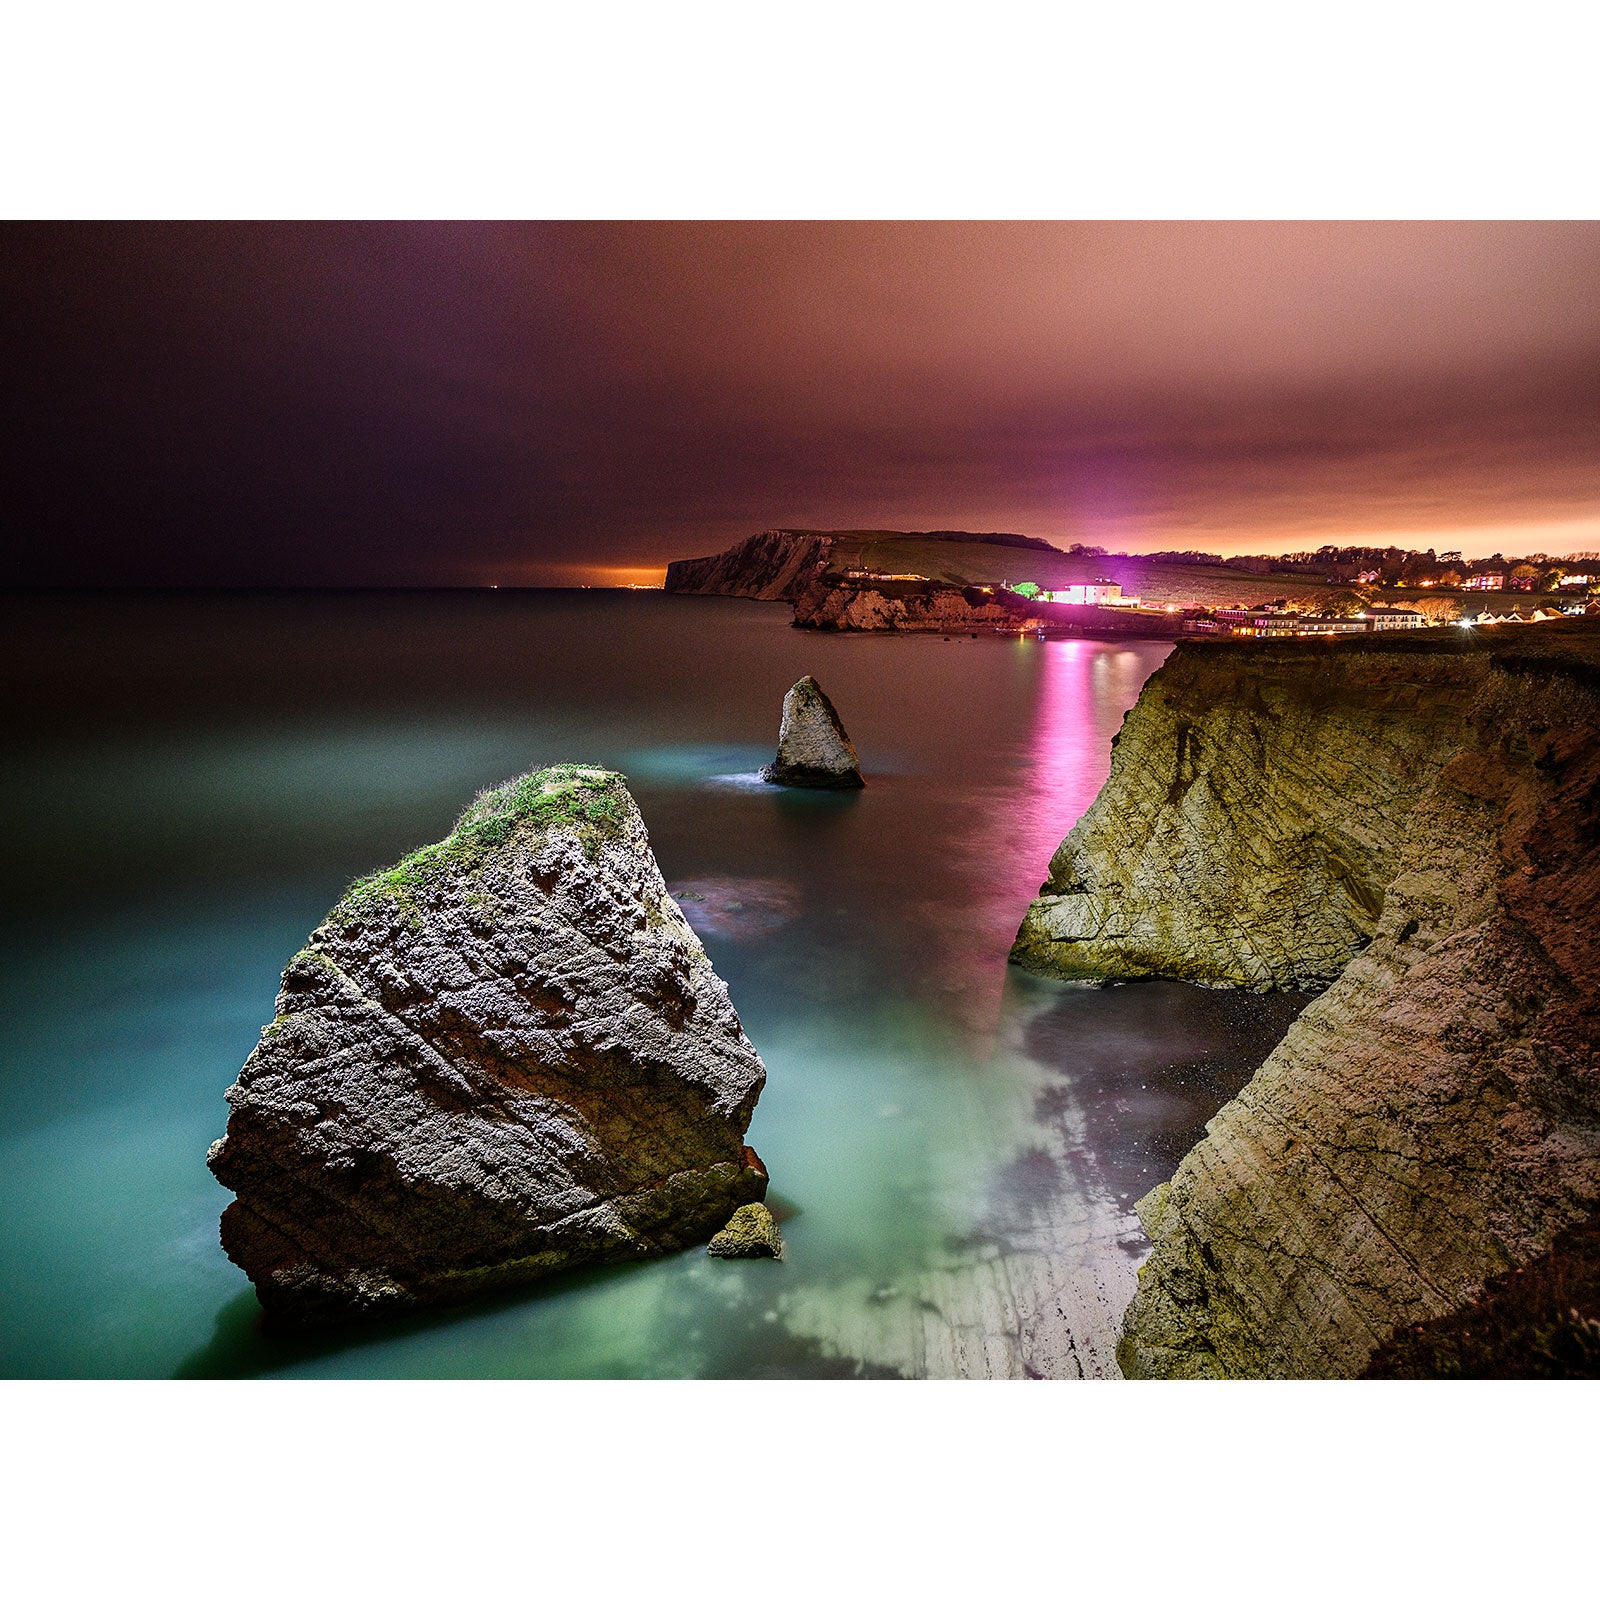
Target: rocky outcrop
x=505 y=1055
x=751 y=1231
x=903 y=608
x=814 y=751
x=845 y=606
x=774 y=565
x=1411 y=825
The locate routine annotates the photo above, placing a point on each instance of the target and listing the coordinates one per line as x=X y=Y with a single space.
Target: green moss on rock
x=590 y=803
x=504 y=1055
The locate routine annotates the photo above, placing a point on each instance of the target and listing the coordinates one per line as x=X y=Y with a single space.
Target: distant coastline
x=946 y=581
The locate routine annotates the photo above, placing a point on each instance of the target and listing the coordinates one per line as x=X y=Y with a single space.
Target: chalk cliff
x=505 y=1055
x=774 y=565
x=1411 y=825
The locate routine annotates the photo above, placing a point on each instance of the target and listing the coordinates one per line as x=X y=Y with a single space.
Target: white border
x=840 y=108
x=827 y=110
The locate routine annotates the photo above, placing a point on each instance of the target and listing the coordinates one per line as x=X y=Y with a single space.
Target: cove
x=954 y=1145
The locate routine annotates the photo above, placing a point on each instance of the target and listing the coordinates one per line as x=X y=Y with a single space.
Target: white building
x=1383 y=618
x=1263 y=623
x=1099 y=593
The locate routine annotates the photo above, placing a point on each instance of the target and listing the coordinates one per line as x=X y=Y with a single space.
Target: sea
x=192 y=780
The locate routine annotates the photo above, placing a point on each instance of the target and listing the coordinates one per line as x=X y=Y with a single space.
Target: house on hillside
x=1102 y=592
x=1323 y=624
x=1384 y=618
x=1268 y=622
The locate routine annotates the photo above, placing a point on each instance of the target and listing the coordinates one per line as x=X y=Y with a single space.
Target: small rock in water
x=814 y=751
x=751 y=1231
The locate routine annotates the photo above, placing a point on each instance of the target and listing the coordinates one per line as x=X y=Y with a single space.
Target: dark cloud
x=473 y=403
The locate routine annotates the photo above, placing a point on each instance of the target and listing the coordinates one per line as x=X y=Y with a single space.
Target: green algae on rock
x=751 y=1231
x=505 y=1055
x=1409 y=826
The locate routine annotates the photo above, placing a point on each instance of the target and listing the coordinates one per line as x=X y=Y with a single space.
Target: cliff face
x=1416 y=823
x=505 y=1055
x=774 y=565
x=847 y=608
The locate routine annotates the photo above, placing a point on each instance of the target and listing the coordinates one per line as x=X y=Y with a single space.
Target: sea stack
x=814 y=751
x=503 y=1056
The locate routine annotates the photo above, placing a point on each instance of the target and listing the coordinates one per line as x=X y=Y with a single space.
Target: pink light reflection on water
x=1082 y=688
x=1070 y=751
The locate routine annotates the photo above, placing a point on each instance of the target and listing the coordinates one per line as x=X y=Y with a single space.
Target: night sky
x=559 y=403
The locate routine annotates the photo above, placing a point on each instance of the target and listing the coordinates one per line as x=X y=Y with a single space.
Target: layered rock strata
x=773 y=565
x=814 y=751
x=1413 y=826
x=503 y=1056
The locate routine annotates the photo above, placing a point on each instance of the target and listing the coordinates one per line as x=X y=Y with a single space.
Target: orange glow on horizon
x=581 y=575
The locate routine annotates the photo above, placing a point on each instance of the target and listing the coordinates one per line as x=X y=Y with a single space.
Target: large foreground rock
x=814 y=751
x=1412 y=826
x=505 y=1055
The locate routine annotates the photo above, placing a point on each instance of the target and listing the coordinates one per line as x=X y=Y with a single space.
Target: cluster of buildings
x=1272 y=621
x=1278 y=620
x=1546 y=613
x=1263 y=622
x=1393 y=567
x=1527 y=582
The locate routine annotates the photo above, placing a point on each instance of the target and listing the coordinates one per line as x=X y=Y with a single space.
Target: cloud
x=439 y=403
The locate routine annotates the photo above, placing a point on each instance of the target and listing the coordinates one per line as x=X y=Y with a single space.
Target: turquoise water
x=954 y=1146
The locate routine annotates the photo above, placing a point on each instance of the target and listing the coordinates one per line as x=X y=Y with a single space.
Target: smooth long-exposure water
x=191 y=781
